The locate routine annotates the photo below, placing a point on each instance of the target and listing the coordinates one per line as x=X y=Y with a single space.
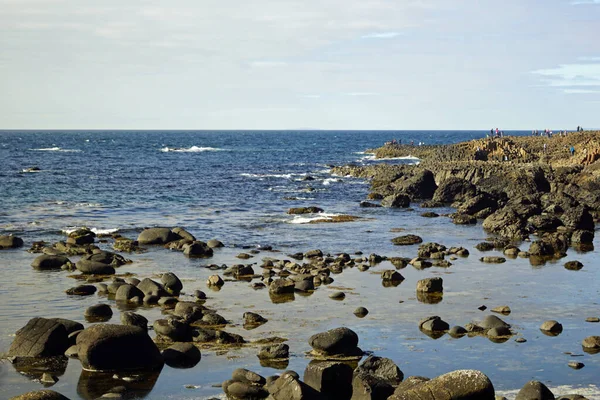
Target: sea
x=237 y=186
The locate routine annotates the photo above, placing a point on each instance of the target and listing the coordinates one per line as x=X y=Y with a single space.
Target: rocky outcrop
x=455 y=385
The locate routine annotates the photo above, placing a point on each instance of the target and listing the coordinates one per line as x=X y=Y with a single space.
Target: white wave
x=193 y=149
x=59 y=149
x=329 y=181
x=262 y=176
x=87 y=205
x=97 y=231
x=307 y=219
x=592 y=392
x=30 y=170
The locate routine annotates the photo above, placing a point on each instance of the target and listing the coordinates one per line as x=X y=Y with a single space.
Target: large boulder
x=288 y=387
x=578 y=218
x=420 y=186
x=10 y=242
x=181 y=355
x=171 y=283
x=506 y=222
x=375 y=379
x=534 y=390
x=157 y=236
x=338 y=341
x=331 y=378
x=94 y=267
x=40 y=337
x=108 y=347
x=197 y=249
x=40 y=395
x=45 y=262
x=455 y=385
x=128 y=292
x=396 y=201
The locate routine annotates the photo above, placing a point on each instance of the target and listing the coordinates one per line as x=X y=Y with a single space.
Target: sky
x=299 y=64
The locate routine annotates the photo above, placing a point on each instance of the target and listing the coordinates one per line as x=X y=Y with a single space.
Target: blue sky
x=327 y=64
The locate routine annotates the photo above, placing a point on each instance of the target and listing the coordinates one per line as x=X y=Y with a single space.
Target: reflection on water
x=93 y=385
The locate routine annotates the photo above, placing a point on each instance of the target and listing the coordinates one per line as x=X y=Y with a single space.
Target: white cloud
x=359 y=94
x=381 y=35
x=571 y=75
x=580 y=91
x=267 y=64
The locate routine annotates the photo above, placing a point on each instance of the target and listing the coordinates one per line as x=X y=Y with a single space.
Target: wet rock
x=213 y=319
x=382 y=368
x=305 y=210
x=592 y=319
x=131 y=318
x=430 y=214
x=573 y=265
x=368 y=204
x=40 y=337
x=171 y=283
x=454 y=189
x=391 y=275
x=48 y=379
x=198 y=249
x=157 y=236
x=576 y=365
x=485 y=246
x=457 y=332
x=578 y=218
x=498 y=332
x=492 y=321
x=313 y=254
x=551 y=327
x=591 y=344
x=94 y=267
x=214 y=243
x=188 y=311
x=464 y=219
x=288 y=387
x=128 y=292
x=81 y=290
x=98 y=312
x=501 y=310
x=181 y=355
x=10 y=242
x=253 y=319
x=275 y=351
x=540 y=248
x=199 y=295
x=150 y=287
x=407 y=240
x=534 y=390
x=430 y=285
x=582 y=237
x=171 y=329
x=456 y=385
x=338 y=341
x=246 y=376
x=305 y=285
x=106 y=347
x=396 y=201
x=243 y=391
x=337 y=296
x=48 y=262
x=40 y=395
x=332 y=379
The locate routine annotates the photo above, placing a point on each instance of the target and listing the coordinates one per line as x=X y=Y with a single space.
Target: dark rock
x=540 y=248
x=98 y=312
x=591 y=344
x=337 y=296
x=94 y=267
x=552 y=327
x=433 y=324
x=130 y=318
x=182 y=233
x=198 y=249
x=305 y=210
x=81 y=290
x=582 y=237
x=172 y=330
x=361 y=312
x=171 y=283
x=288 y=387
x=430 y=214
x=464 y=219
x=188 y=311
x=157 y=236
x=215 y=280
x=576 y=365
x=407 y=240
x=150 y=287
x=107 y=347
x=576 y=218
x=46 y=262
x=128 y=292
x=492 y=321
x=457 y=331
x=396 y=201
x=485 y=246
x=181 y=355
x=243 y=391
x=383 y=368
x=246 y=376
x=40 y=337
x=335 y=341
x=391 y=275
x=10 y=242
x=430 y=285
x=214 y=243
x=282 y=286
x=332 y=379
x=275 y=351
x=313 y=253
x=454 y=189
x=255 y=319
x=367 y=204
x=534 y=390
x=305 y=285
x=493 y=260
x=455 y=385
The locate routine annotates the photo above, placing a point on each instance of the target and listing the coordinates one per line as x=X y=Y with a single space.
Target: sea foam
x=193 y=149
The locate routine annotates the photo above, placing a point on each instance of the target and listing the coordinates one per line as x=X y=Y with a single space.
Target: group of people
x=549 y=133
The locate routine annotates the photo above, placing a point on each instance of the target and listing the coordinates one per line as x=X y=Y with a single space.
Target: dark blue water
x=237 y=187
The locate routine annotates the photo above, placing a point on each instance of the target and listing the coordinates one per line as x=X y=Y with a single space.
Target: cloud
x=267 y=64
x=580 y=91
x=571 y=75
x=359 y=94
x=381 y=35
x=579 y=2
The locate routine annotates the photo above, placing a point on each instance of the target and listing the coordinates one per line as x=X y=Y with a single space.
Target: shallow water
x=125 y=181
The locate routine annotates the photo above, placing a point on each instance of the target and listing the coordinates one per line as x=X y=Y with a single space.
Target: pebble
x=576 y=365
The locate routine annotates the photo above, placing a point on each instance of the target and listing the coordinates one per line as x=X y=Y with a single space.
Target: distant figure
x=572 y=149
x=545 y=147
x=412 y=142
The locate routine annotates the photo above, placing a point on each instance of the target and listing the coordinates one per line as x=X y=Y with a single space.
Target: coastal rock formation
x=456 y=385
x=40 y=395
x=335 y=342
x=40 y=337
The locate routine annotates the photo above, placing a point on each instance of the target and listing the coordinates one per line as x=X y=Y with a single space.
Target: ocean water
x=236 y=187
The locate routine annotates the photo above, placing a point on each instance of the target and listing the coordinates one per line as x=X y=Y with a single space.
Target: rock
x=368 y=204
x=215 y=280
x=454 y=189
x=131 y=318
x=492 y=321
x=282 y=286
x=506 y=222
x=498 y=332
x=383 y=368
x=430 y=285
x=361 y=312
x=501 y=310
x=243 y=391
x=94 y=267
x=157 y=236
x=337 y=296
x=316 y=253
x=338 y=341
x=254 y=319
x=10 y=242
x=150 y=287
x=172 y=330
x=457 y=332
x=540 y=248
x=396 y=201
x=98 y=312
x=288 y=387
x=582 y=237
x=81 y=290
x=493 y=260
x=332 y=379
x=181 y=355
x=455 y=385
x=198 y=249
x=199 y=295
x=40 y=395
x=108 y=347
x=534 y=390
x=188 y=311
x=47 y=262
x=275 y=351
x=591 y=343
x=573 y=265
x=552 y=327
x=48 y=379
x=407 y=240
x=578 y=218
x=433 y=324
x=246 y=376
x=128 y=292
x=183 y=234
x=171 y=283
x=430 y=214
x=305 y=210
x=214 y=243
x=391 y=275
x=592 y=319
x=576 y=365
x=305 y=285
x=464 y=219
x=40 y=337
